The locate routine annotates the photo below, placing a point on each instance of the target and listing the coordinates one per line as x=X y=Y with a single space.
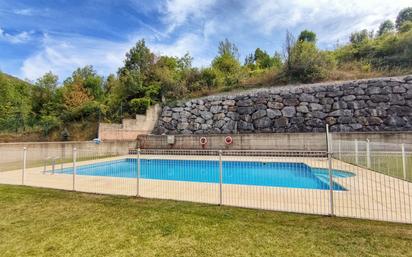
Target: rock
x=233 y=115
x=274 y=113
x=330 y=120
x=183 y=125
x=373 y=90
x=289 y=111
x=245 y=110
x=394 y=121
x=291 y=102
x=281 y=122
x=348 y=98
x=215 y=109
x=374 y=121
x=245 y=103
x=399 y=89
x=264 y=122
x=316 y=123
x=302 y=109
x=245 y=126
x=229 y=102
x=230 y=126
x=315 y=107
x=308 y=98
x=379 y=98
x=167 y=113
x=338 y=113
x=219 y=116
x=199 y=120
x=258 y=114
x=275 y=105
x=206 y=115
x=167 y=119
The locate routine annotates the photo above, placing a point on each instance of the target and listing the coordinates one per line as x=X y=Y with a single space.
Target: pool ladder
x=53 y=164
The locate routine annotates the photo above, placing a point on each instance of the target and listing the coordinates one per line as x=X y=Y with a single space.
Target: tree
x=307 y=35
x=359 y=36
x=43 y=96
x=89 y=80
x=386 y=27
x=228 y=48
x=139 y=58
x=404 y=16
x=308 y=63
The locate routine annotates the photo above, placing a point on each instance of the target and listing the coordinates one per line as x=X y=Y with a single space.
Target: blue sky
x=41 y=35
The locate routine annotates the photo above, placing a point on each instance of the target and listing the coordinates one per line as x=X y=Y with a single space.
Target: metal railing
x=344 y=182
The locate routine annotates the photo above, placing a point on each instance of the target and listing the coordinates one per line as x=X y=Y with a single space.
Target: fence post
x=356 y=152
x=220 y=177
x=138 y=174
x=74 y=167
x=339 y=150
x=23 y=171
x=329 y=153
x=403 y=161
x=368 y=154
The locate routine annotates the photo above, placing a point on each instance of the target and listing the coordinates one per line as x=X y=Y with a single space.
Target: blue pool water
x=276 y=174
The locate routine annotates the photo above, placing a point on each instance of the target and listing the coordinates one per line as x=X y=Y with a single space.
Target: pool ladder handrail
x=53 y=163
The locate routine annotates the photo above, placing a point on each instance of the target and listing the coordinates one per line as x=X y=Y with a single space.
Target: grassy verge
x=389 y=164
x=43 y=222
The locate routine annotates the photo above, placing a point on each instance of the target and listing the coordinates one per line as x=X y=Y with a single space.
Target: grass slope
x=43 y=222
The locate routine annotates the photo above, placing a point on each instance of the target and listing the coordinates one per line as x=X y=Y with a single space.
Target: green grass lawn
x=389 y=164
x=44 y=222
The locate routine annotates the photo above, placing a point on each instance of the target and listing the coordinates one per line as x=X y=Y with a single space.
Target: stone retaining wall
x=383 y=104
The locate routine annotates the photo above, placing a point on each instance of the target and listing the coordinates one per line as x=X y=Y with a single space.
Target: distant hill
x=9 y=79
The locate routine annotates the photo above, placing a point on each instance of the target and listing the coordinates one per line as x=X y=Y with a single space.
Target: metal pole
x=23 y=171
x=403 y=161
x=138 y=174
x=220 y=177
x=356 y=152
x=368 y=154
x=74 y=167
x=339 y=150
x=332 y=212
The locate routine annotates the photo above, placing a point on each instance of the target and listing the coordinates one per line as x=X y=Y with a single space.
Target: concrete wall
x=268 y=141
x=130 y=128
x=37 y=151
x=383 y=104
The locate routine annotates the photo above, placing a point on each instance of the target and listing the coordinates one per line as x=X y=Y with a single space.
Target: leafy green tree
x=228 y=48
x=405 y=27
x=386 y=27
x=308 y=63
x=359 y=36
x=43 y=97
x=139 y=59
x=308 y=36
x=404 y=15
x=89 y=79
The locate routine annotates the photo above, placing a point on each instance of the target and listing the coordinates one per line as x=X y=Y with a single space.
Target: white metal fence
x=314 y=182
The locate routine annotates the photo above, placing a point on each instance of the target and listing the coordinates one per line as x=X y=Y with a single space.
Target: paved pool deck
x=369 y=194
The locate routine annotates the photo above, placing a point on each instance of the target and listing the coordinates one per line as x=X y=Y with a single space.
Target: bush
x=308 y=64
x=140 y=105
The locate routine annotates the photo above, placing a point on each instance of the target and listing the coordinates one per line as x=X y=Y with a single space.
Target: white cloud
x=18 y=38
x=348 y=15
x=25 y=11
x=179 y=11
x=62 y=55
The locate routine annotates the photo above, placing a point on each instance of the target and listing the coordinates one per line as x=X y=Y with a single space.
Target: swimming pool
x=275 y=174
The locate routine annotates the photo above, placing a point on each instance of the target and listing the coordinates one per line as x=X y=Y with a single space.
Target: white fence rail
x=313 y=182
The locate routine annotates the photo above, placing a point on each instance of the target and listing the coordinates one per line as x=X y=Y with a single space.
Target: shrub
x=307 y=63
x=140 y=105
